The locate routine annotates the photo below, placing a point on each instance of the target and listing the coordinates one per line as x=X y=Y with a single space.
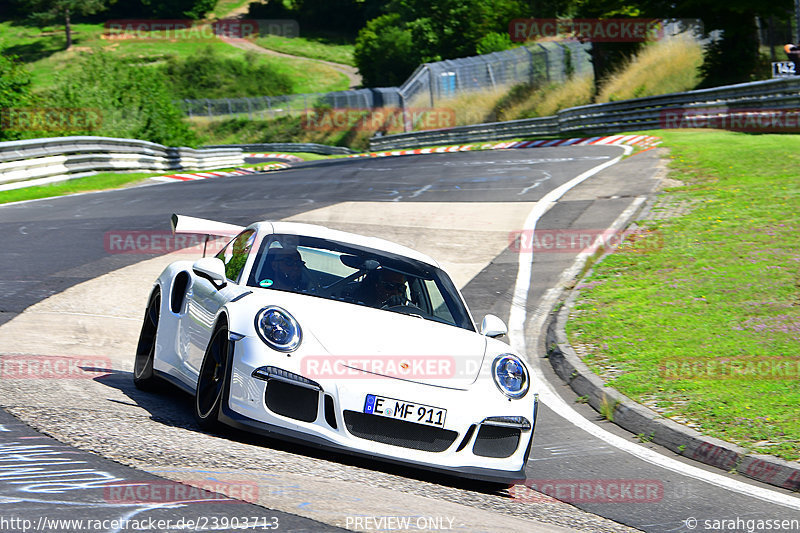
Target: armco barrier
x=310 y=148
x=62 y=156
x=628 y=115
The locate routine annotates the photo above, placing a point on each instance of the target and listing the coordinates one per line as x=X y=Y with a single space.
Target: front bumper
x=329 y=413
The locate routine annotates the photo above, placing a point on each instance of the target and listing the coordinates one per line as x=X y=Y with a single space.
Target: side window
x=234 y=255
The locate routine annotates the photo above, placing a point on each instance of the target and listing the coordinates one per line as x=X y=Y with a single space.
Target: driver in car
x=384 y=288
x=289 y=270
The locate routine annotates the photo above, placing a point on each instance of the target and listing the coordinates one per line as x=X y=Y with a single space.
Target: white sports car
x=342 y=341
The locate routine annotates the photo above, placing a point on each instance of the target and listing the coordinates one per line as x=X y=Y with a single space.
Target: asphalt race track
x=460 y=207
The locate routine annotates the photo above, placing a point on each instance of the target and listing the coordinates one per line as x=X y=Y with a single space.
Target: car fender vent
x=178 y=295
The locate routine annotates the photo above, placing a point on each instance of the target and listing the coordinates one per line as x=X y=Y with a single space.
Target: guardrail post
x=546 y=61
x=530 y=65
x=431 y=83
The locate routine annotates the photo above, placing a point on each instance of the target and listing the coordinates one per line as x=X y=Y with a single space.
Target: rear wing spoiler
x=202 y=226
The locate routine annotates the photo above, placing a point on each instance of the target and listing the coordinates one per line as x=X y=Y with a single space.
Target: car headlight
x=510 y=375
x=278 y=329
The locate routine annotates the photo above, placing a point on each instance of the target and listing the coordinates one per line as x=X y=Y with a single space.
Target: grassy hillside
x=319 y=47
x=663 y=67
x=42 y=51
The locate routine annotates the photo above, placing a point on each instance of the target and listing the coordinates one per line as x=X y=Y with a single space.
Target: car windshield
x=358 y=275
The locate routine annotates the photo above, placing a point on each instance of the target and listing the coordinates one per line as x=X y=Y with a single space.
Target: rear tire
x=143 y=376
x=210 y=390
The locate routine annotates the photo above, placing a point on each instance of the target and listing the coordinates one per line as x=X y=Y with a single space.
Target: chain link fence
x=544 y=62
x=266 y=107
x=552 y=62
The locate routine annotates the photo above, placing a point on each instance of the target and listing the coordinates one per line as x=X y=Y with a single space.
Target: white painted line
x=516 y=332
x=421 y=190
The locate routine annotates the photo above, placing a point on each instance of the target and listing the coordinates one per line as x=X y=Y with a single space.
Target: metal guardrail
x=311 y=148
x=629 y=115
x=61 y=156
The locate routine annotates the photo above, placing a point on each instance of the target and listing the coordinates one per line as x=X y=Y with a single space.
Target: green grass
x=43 y=52
x=719 y=283
x=313 y=47
x=98 y=182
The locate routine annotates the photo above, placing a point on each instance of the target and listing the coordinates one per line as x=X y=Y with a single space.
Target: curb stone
x=640 y=420
x=641 y=141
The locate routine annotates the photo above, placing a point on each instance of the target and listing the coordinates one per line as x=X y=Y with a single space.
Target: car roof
x=322 y=232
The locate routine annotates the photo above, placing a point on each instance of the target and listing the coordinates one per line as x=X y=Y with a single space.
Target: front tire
x=143 y=376
x=210 y=391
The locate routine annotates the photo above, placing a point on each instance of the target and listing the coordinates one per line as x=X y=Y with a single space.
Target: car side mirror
x=493 y=326
x=212 y=269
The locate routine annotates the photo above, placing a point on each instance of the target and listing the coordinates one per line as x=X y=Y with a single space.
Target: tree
x=385 y=52
x=46 y=12
x=389 y=47
x=730 y=58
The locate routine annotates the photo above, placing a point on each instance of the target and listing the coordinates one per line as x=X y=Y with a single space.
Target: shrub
x=134 y=101
x=207 y=74
x=15 y=84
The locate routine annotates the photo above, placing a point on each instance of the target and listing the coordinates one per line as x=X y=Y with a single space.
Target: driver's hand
x=397 y=299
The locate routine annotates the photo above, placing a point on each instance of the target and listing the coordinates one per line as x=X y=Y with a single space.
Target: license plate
x=405 y=410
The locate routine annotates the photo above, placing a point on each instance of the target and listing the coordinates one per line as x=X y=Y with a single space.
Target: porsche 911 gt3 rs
x=342 y=341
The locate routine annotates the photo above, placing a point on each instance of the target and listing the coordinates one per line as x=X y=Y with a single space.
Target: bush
x=15 y=84
x=207 y=74
x=133 y=101
x=495 y=42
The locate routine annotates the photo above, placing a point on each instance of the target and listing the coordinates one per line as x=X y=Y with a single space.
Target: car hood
x=363 y=342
